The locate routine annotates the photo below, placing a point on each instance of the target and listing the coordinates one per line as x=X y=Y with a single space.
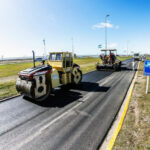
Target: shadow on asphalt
x=69 y=94
x=91 y=87
x=58 y=100
x=127 y=69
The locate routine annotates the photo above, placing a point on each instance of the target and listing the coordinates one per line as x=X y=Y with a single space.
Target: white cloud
x=112 y=45
x=103 y=25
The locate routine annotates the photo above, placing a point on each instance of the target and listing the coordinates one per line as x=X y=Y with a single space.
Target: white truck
x=136 y=56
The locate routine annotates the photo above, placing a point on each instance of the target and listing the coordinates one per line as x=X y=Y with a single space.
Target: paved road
x=76 y=119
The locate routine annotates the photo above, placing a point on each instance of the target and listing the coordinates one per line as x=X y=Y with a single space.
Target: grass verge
x=13 y=69
x=7 y=89
x=135 y=132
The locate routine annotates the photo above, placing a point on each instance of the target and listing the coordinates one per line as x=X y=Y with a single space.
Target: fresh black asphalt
x=71 y=119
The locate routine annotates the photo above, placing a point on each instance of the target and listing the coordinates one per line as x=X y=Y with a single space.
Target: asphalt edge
x=116 y=127
x=8 y=98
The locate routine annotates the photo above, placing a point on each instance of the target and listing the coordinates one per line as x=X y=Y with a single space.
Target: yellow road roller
x=39 y=82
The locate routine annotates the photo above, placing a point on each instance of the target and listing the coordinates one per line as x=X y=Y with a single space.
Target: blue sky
x=24 y=24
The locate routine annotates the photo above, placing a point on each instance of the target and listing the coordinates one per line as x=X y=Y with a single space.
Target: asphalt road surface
x=72 y=119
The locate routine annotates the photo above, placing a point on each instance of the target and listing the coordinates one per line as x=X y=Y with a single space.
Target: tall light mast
x=106 y=30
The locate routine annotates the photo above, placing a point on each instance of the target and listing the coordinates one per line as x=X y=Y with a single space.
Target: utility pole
x=2 y=58
x=106 y=30
x=127 y=48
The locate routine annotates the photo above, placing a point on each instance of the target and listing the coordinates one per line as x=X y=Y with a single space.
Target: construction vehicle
x=108 y=61
x=136 y=56
x=143 y=58
x=39 y=82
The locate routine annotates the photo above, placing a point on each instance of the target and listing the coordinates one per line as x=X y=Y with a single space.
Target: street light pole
x=106 y=31
x=2 y=58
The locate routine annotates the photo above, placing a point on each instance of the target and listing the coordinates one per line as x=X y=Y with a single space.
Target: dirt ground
x=135 y=132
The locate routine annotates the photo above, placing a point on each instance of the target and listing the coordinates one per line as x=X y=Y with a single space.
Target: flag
x=99 y=46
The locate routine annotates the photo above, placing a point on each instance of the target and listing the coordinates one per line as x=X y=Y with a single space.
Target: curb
x=115 y=129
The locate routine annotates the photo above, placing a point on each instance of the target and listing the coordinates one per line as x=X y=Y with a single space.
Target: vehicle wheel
x=43 y=98
x=76 y=76
x=119 y=67
x=114 y=67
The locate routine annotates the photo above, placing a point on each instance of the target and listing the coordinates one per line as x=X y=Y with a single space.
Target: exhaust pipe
x=33 y=59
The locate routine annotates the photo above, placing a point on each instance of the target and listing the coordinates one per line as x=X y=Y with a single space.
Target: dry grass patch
x=135 y=132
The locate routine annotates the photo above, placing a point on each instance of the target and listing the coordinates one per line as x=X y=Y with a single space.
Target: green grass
x=8 y=89
x=82 y=61
x=124 y=58
x=13 y=69
x=88 y=68
x=148 y=58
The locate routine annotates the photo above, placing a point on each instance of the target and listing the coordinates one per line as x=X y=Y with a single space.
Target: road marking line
x=112 y=140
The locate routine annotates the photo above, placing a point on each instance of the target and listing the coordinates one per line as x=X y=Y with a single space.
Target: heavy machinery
x=39 y=82
x=109 y=61
x=136 y=56
x=143 y=58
